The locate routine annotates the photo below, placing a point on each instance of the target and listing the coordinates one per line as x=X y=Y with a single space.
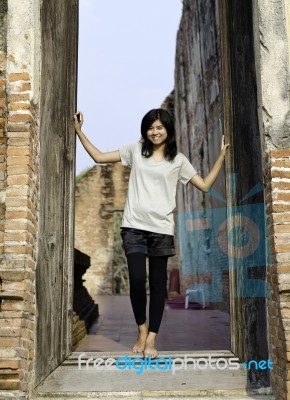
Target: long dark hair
x=164 y=117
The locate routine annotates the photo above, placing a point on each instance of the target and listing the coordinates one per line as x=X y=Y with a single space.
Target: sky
x=126 y=67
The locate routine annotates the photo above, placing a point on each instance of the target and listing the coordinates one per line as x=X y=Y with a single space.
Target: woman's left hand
x=224 y=146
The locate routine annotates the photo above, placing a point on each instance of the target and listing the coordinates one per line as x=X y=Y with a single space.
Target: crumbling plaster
x=272 y=70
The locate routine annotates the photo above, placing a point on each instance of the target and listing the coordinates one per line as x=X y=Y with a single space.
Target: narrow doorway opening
x=101 y=191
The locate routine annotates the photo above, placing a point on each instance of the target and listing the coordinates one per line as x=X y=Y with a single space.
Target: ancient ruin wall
x=20 y=62
x=35 y=113
x=272 y=57
x=199 y=121
x=100 y=193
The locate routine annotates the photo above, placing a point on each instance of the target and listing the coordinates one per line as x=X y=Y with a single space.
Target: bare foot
x=150 y=346
x=141 y=341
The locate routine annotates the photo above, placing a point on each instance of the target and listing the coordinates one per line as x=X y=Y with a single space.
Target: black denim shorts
x=150 y=243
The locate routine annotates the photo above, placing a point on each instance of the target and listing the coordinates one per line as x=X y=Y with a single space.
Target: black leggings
x=157 y=284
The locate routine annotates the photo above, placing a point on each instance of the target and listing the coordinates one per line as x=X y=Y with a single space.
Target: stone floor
x=181 y=330
x=194 y=332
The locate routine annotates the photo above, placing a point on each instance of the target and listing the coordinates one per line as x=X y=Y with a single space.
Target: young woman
x=148 y=226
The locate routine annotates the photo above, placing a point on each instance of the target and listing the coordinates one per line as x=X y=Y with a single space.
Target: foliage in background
x=120 y=269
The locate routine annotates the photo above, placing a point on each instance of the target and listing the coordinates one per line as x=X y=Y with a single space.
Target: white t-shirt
x=152 y=189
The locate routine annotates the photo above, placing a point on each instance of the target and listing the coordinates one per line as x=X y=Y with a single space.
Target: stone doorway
x=230 y=31
x=37 y=194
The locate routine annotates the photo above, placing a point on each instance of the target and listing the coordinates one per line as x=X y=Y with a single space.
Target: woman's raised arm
x=96 y=154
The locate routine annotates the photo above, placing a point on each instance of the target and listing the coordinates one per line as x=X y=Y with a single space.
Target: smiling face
x=157 y=133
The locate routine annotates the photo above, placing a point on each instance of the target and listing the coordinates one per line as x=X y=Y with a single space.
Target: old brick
x=280 y=173
x=18 y=286
x=18 y=273
x=285 y=297
x=18 y=106
x=19 y=135
x=13 y=322
x=280 y=207
x=280 y=237
x=16 y=191
x=13 y=127
x=18 y=180
x=16 y=98
x=10 y=363
x=281 y=228
x=18 y=151
x=282 y=163
x=281 y=196
x=9 y=342
x=281 y=153
x=15 y=236
x=284 y=287
x=11 y=332
x=10 y=384
x=18 y=249
x=18 y=160
x=3 y=166
x=281 y=218
x=285 y=313
x=16 y=202
x=283 y=269
x=19 y=170
x=15 y=87
x=18 y=141
x=20 y=118
x=23 y=214
x=18 y=305
x=282 y=248
x=3 y=150
x=281 y=257
x=16 y=224
x=21 y=76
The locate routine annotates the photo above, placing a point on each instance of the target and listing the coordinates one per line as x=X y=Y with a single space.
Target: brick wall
x=19 y=203
x=23 y=34
x=3 y=120
x=271 y=22
x=277 y=176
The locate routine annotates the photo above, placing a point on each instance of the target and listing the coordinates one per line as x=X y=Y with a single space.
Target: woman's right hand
x=78 y=121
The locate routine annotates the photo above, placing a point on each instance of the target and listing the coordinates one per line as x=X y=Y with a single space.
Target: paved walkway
x=181 y=330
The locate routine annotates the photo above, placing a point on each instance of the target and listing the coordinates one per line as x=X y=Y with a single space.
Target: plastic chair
x=196 y=289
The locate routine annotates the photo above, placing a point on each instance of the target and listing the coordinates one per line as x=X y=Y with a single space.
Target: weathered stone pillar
x=272 y=50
